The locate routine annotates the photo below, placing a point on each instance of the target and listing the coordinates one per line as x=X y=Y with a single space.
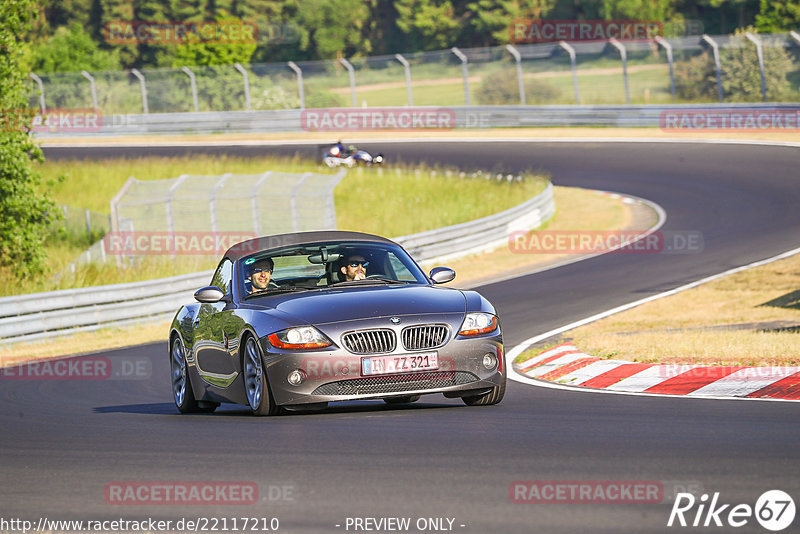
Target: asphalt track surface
x=62 y=442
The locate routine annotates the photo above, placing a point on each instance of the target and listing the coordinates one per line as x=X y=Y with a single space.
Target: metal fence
x=82 y=221
x=52 y=314
x=593 y=73
x=180 y=214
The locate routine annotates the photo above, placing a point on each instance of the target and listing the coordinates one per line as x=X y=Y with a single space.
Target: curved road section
x=543 y=460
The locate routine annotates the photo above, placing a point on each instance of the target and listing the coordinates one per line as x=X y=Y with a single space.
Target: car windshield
x=322 y=265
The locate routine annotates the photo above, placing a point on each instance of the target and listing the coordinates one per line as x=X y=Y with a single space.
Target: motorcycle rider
x=337 y=150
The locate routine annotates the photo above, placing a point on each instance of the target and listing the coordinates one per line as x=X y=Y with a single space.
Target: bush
x=276 y=97
x=324 y=99
x=696 y=79
x=501 y=88
x=741 y=80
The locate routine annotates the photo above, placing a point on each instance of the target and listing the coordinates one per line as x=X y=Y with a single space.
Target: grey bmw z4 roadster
x=295 y=321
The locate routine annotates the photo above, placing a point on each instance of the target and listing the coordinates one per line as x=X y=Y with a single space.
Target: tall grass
x=390 y=201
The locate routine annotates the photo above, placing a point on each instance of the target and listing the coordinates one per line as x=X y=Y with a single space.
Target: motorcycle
x=337 y=156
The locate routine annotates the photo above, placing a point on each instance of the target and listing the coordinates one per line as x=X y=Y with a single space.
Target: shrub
x=501 y=87
x=696 y=78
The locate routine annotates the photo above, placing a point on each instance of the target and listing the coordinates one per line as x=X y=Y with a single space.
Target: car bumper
x=336 y=375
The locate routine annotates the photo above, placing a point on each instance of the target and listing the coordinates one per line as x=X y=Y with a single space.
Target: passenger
x=355 y=268
x=261 y=275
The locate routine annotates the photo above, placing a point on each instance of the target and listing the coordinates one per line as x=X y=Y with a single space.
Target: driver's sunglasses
x=357 y=263
x=259 y=270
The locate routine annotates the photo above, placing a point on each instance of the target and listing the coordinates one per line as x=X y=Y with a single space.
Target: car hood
x=351 y=303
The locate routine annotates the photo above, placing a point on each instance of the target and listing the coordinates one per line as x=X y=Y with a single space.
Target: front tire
x=256 y=384
x=182 y=392
x=493 y=396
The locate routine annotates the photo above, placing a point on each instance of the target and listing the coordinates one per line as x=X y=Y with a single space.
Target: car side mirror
x=442 y=275
x=209 y=294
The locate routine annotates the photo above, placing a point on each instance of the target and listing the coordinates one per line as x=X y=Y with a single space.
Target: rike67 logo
x=774 y=510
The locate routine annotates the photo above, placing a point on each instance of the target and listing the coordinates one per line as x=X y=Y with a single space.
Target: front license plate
x=399 y=363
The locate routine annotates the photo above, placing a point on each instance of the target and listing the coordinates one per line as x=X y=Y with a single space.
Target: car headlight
x=300 y=337
x=478 y=323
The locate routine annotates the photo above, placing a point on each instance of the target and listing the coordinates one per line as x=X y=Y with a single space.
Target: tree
x=224 y=52
x=333 y=28
x=72 y=50
x=24 y=210
x=489 y=20
x=114 y=12
x=778 y=16
x=430 y=24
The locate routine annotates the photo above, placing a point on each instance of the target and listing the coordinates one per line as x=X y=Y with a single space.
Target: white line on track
x=520 y=348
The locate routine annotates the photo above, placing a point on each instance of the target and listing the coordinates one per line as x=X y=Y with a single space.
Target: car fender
x=478 y=303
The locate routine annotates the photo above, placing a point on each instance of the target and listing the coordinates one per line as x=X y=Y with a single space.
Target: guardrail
x=44 y=315
x=461 y=117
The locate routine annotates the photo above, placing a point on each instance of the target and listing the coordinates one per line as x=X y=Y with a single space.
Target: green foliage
x=333 y=28
x=24 y=211
x=321 y=98
x=114 y=11
x=430 y=24
x=234 y=44
x=153 y=55
x=326 y=29
x=276 y=97
x=73 y=50
x=695 y=80
x=490 y=19
x=778 y=16
x=741 y=80
x=501 y=87
x=653 y=10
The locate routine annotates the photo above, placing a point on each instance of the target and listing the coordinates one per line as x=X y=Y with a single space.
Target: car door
x=213 y=333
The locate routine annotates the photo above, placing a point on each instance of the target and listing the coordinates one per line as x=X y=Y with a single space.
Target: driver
x=355 y=267
x=261 y=275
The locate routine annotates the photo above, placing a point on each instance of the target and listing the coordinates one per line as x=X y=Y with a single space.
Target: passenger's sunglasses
x=259 y=270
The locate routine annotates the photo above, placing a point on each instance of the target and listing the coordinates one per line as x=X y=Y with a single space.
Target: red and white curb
x=565 y=364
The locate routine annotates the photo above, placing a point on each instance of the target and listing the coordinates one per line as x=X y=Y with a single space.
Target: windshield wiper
x=278 y=291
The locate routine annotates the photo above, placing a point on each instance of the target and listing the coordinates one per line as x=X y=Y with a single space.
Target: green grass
x=392 y=201
x=445 y=94
x=646 y=87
